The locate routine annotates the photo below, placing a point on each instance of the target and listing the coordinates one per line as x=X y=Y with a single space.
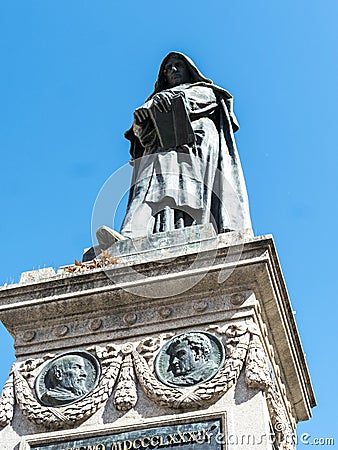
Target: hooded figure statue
x=197 y=178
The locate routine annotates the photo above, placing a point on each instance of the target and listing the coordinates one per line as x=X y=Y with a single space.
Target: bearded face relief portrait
x=67 y=378
x=189 y=358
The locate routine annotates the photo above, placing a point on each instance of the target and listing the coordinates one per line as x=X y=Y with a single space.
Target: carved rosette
x=123 y=367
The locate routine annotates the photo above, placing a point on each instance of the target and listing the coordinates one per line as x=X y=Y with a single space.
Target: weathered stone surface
x=160 y=245
x=124 y=313
x=37 y=275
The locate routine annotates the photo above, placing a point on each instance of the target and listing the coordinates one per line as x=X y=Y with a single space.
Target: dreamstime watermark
x=139 y=223
x=257 y=439
x=308 y=439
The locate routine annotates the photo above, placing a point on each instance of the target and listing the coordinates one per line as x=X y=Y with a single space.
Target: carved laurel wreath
x=121 y=367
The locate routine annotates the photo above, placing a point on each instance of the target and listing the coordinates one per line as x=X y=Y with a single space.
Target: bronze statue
x=186 y=165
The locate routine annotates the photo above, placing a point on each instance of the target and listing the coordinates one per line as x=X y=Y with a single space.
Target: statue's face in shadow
x=182 y=360
x=176 y=71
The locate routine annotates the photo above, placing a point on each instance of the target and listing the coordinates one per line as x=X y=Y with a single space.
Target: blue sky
x=72 y=72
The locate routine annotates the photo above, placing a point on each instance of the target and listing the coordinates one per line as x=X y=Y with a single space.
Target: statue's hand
x=162 y=101
x=141 y=114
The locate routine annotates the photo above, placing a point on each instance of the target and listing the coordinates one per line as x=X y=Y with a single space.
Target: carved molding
x=199 y=395
x=258 y=375
x=122 y=367
x=55 y=418
x=280 y=408
x=126 y=394
x=7 y=401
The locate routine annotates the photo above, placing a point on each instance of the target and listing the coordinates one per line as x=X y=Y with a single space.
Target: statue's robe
x=193 y=183
x=60 y=396
x=190 y=183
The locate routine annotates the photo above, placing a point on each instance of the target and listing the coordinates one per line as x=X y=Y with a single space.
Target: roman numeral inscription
x=190 y=436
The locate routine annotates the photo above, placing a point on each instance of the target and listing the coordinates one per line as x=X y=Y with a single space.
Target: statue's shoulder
x=217 y=89
x=221 y=91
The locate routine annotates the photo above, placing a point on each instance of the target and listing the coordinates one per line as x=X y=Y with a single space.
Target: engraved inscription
x=191 y=436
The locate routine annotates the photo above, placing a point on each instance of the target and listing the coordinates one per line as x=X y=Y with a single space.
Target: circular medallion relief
x=67 y=378
x=189 y=358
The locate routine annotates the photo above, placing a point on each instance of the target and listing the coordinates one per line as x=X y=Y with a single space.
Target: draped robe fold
x=193 y=183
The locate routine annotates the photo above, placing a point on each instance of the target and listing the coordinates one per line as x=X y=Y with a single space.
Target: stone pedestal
x=124 y=311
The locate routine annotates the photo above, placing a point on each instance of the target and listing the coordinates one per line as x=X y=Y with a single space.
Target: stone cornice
x=129 y=299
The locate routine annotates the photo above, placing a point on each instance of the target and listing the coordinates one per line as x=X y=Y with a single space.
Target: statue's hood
x=196 y=75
